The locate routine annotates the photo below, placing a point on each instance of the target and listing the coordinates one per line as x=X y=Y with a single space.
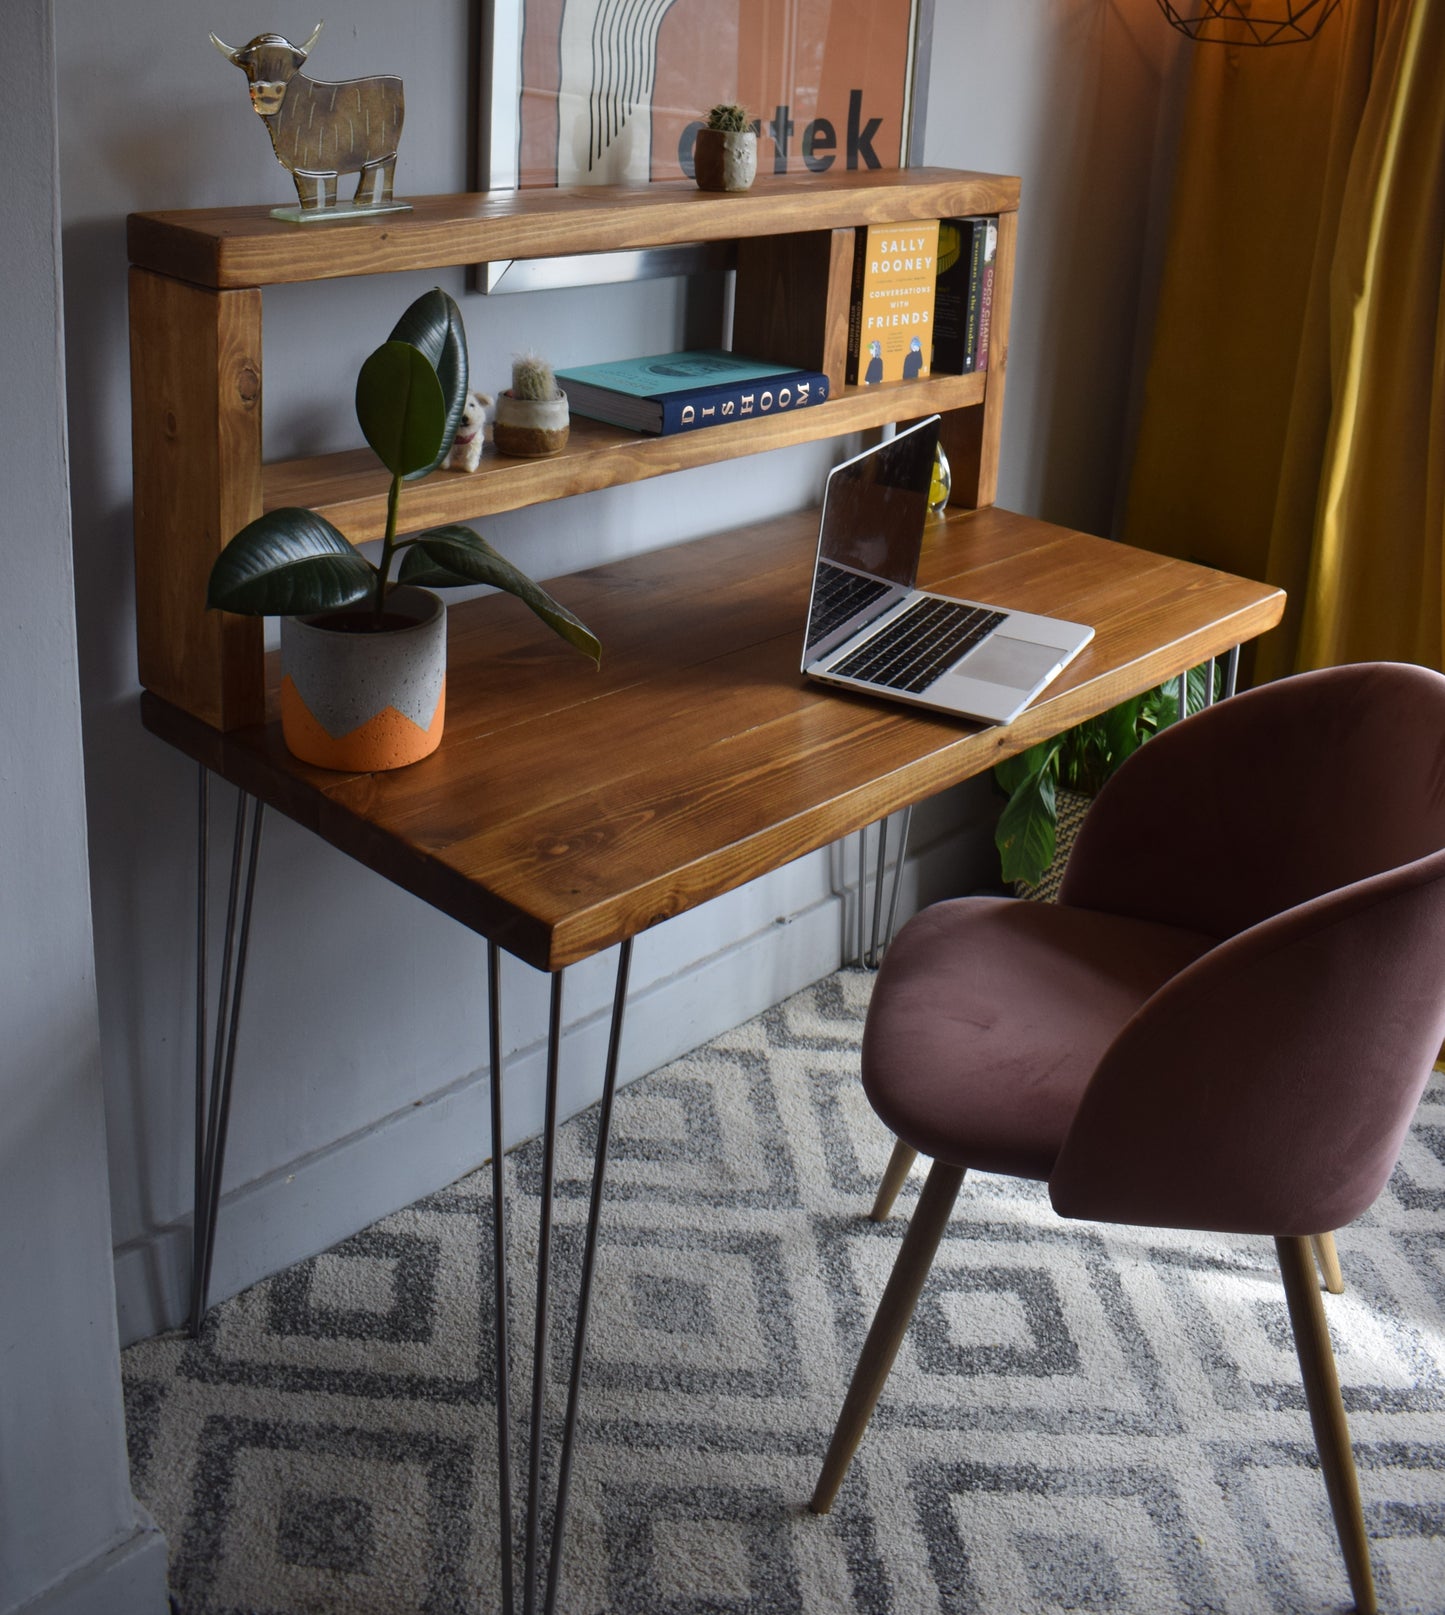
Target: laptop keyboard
x=919 y=645
x=837 y=596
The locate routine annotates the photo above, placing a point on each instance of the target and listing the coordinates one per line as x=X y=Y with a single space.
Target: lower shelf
x=349 y=489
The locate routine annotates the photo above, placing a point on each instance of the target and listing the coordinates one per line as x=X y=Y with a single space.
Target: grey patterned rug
x=1083 y=1417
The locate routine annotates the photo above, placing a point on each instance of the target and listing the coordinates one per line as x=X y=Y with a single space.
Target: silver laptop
x=870 y=629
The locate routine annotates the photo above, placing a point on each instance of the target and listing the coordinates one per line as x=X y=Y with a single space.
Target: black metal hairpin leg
x=499 y=1268
x=530 y=1579
x=539 y=1332
x=871 y=956
x=862 y=947
x=213 y=1099
x=1231 y=670
x=584 y=1292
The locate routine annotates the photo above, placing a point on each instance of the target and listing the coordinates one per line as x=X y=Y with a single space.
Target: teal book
x=678 y=392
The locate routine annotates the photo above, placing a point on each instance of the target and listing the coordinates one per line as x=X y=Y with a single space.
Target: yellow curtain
x=1294 y=418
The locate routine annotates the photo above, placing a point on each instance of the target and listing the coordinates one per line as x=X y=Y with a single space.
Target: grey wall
x=360 y=1084
x=71 y=1536
x=1080 y=98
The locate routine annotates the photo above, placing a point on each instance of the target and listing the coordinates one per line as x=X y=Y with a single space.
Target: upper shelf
x=244 y=246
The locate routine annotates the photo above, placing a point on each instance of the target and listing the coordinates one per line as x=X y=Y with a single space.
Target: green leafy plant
x=729 y=117
x=1081 y=759
x=533 y=378
x=410 y=394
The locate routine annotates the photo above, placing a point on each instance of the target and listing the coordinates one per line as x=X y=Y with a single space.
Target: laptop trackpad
x=1017 y=664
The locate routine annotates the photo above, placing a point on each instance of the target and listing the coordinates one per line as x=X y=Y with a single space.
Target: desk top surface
x=568 y=808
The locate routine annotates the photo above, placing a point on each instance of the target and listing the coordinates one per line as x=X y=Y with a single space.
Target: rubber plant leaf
x=1025 y=833
x=433 y=325
x=289 y=563
x=449 y=557
x=401 y=408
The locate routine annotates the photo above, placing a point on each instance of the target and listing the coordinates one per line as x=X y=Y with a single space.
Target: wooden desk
x=568 y=809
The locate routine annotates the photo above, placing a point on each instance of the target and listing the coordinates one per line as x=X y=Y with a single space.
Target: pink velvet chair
x=1225 y=1023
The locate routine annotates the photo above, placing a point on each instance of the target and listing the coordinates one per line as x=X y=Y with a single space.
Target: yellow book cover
x=890 y=331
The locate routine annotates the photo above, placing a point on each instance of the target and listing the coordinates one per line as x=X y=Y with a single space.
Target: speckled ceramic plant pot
x=725 y=159
x=359 y=698
x=530 y=427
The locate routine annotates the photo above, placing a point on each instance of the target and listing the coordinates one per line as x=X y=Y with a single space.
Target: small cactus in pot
x=532 y=418
x=725 y=155
x=729 y=117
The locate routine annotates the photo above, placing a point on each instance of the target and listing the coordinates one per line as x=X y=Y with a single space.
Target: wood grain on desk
x=568 y=808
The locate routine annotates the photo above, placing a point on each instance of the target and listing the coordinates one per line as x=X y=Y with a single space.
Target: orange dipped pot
x=361 y=698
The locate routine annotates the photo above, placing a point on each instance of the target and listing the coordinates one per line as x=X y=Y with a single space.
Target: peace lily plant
x=410 y=394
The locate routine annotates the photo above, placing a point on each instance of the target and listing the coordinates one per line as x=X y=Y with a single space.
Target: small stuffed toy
x=465 y=453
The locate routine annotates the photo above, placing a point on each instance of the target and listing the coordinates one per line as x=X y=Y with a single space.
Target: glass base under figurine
x=338 y=211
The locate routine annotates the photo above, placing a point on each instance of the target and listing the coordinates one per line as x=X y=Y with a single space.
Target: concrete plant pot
x=359 y=698
x=725 y=159
x=529 y=428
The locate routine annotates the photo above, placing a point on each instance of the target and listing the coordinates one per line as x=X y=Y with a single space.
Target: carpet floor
x=1083 y=1417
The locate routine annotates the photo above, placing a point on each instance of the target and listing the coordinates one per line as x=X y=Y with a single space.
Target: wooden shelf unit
x=196 y=306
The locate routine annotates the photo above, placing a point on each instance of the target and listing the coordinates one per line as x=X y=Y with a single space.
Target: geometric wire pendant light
x=1249 y=22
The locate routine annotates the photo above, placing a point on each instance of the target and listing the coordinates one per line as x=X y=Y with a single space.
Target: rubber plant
x=1080 y=759
x=410 y=394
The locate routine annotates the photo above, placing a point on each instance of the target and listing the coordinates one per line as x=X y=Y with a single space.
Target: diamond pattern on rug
x=1083 y=1417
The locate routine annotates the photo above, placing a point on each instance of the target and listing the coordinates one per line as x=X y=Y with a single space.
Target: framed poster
x=611 y=92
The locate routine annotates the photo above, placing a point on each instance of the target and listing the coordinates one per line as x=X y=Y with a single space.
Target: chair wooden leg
x=915 y=1258
x=894 y=1174
x=1329 y=1259
x=1327 y=1412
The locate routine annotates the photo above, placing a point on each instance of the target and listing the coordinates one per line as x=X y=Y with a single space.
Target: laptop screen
x=872 y=528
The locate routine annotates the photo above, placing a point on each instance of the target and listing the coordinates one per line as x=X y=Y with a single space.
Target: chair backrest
x=1266 y=800
x=1267 y=1088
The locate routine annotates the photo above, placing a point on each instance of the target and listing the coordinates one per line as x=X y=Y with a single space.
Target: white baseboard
x=268 y=1224
x=286 y=1216
x=127 y=1578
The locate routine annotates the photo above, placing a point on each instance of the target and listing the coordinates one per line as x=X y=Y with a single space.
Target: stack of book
x=890 y=314
x=679 y=392
x=964 y=297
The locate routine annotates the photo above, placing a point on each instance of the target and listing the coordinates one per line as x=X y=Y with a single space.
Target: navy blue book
x=679 y=392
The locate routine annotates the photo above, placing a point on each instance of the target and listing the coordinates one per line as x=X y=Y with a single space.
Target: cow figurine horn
x=303 y=51
x=229 y=52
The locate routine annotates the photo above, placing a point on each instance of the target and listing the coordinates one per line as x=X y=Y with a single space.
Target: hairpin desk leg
x=499 y=1271
x=905 y=825
x=882 y=934
x=540 y=1317
x=213 y=1099
x=862 y=949
x=584 y=1292
x=532 y=1538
